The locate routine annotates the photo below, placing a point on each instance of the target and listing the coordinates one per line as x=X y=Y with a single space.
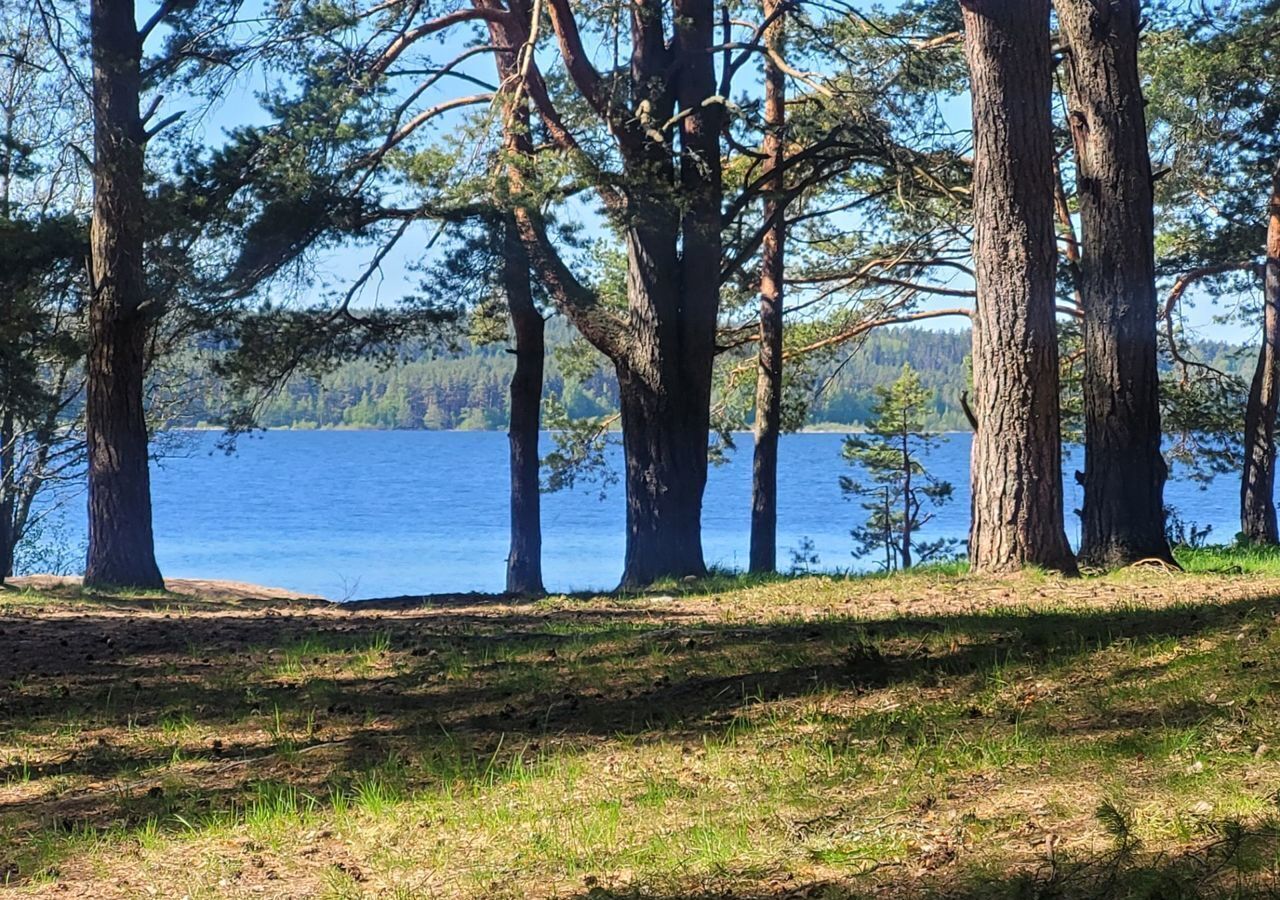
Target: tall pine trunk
x=1257 y=486
x=524 y=557
x=664 y=387
x=524 y=562
x=768 y=423
x=907 y=513
x=669 y=206
x=1124 y=471
x=673 y=297
x=8 y=494
x=1017 y=454
x=121 y=546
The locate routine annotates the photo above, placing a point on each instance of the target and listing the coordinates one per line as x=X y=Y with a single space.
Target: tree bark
x=907 y=514
x=1017 y=455
x=668 y=203
x=8 y=551
x=524 y=558
x=664 y=440
x=1257 y=485
x=664 y=387
x=121 y=546
x=524 y=562
x=1124 y=470
x=8 y=495
x=768 y=423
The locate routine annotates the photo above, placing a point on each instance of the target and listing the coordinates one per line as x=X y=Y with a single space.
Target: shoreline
x=816 y=428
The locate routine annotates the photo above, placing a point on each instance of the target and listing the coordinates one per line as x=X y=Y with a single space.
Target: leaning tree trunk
x=1257 y=486
x=768 y=423
x=121 y=547
x=1017 y=456
x=1124 y=471
x=524 y=562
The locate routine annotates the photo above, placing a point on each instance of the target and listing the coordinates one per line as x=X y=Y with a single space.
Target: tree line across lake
x=725 y=208
x=466 y=389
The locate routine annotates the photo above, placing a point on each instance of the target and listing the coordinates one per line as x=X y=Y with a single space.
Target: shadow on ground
x=590 y=673
x=103 y=695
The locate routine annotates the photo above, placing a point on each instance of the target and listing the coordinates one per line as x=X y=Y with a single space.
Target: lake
x=348 y=514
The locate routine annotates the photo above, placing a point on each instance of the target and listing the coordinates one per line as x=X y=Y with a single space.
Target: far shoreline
x=816 y=428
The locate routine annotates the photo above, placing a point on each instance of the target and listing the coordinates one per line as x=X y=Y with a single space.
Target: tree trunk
x=664 y=385
x=524 y=563
x=666 y=471
x=8 y=550
x=669 y=203
x=1017 y=453
x=1257 y=487
x=121 y=547
x=906 y=497
x=673 y=297
x=768 y=423
x=8 y=495
x=524 y=559
x=1124 y=471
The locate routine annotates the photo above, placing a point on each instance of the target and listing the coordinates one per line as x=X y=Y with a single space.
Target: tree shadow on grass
x=1238 y=863
x=526 y=674
x=463 y=686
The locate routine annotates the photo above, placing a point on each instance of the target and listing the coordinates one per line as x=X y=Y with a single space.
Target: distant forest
x=467 y=389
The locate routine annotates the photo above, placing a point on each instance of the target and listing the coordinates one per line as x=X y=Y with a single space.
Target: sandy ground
x=203 y=588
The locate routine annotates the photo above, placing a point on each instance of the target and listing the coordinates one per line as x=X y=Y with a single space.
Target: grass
x=1254 y=560
x=928 y=734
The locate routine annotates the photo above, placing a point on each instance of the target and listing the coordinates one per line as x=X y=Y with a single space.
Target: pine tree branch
x=588 y=80
x=606 y=331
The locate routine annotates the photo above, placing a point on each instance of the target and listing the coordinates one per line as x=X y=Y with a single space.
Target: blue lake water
x=348 y=514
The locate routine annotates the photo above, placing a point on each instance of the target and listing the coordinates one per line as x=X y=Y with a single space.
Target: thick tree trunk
x=1257 y=486
x=1017 y=454
x=670 y=205
x=664 y=385
x=121 y=547
x=1124 y=471
x=673 y=297
x=768 y=423
x=524 y=562
x=665 y=445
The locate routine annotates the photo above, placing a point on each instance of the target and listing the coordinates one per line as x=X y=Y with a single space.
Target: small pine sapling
x=899 y=495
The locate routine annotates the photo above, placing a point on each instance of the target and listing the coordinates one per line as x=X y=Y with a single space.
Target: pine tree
x=1017 y=453
x=1124 y=472
x=897 y=490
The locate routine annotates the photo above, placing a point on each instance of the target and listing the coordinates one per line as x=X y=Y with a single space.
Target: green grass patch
x=1096 y=737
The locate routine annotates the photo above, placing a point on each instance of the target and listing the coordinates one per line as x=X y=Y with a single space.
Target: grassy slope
x=924 y=734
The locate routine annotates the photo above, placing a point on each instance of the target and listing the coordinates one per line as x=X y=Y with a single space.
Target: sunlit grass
x=745 y=738
x=1231 y=559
